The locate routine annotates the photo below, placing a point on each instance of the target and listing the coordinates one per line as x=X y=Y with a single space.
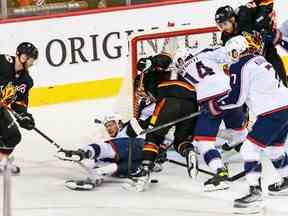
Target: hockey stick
x=18 y=116
x=184 y=165
x=230 y=179
x=151 y=130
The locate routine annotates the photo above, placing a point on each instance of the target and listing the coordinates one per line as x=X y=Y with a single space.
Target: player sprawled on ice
x=258 y=15
x=253 y=83
x=110 y=157
x=15 y=84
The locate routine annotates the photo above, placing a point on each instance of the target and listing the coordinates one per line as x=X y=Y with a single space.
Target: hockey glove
x=144 y=63
x=73 y=155
x=26 y=121
x=214 y=110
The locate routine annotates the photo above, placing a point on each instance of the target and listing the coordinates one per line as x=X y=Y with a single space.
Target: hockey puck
x=154 y=181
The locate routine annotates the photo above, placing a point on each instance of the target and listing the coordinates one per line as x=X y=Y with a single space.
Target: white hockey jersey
x=284 y=30
x=253 y=82
x=203 y=71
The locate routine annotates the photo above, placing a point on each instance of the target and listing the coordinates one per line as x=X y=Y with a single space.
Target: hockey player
x=284 y=31
x=15 y=84
x=174 y=99
x=111 y=158
x=254 y=17
x=253 y=83
x=203 y=71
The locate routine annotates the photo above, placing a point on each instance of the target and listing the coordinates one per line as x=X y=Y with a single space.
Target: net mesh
x=150 y=43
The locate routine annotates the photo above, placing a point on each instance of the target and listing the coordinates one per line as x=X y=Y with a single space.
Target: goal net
x=145 y=44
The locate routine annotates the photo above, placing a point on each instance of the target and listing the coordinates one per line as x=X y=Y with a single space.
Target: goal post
x=145 y=44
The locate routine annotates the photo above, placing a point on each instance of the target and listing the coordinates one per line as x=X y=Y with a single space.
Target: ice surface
x=40 y=191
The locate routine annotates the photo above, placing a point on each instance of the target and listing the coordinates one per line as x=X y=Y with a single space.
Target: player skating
x=15 y=84
x=253 y=83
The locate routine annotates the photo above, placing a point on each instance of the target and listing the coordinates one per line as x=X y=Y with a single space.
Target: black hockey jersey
x=251 y=19
x=20 y=79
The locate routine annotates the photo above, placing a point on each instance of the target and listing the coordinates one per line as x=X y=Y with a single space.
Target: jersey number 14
x=202 y=71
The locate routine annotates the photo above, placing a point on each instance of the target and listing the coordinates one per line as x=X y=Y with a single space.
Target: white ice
x=40 y=191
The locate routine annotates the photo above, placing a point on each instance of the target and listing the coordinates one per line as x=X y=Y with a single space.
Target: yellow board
x=285 y=59
x=74 y=92
x=82 y=91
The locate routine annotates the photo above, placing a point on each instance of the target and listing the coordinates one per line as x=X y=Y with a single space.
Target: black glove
x=213 y=110
x=26 y=121
x=73 y=155
x=144 y=63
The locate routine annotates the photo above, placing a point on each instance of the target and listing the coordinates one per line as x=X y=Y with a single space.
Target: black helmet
x=27 y=48
x=224 y=13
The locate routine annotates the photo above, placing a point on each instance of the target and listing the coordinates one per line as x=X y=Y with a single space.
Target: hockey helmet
x=224 y=13
x=162 y=61
x=112 y=117
x=236 y=46
x=28 y=49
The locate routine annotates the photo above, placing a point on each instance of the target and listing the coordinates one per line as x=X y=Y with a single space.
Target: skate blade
x=279 y=193
x=241 y=210
x=221 y=186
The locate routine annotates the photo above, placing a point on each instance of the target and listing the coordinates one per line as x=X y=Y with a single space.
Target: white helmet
x=112 y=117
x=236 y=46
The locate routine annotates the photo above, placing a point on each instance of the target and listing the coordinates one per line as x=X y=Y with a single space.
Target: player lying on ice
x=253 y=82
x=111 y=157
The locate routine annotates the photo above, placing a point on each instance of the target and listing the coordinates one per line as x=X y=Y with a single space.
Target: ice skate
x=218 y=182
x=15 y=170
x=251 y=203
x=139 y=182
x=279 y=188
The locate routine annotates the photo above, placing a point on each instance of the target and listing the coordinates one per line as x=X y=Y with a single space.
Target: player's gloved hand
x=144 y=63
x=214 y=110
x=73 y=155
x=26 y=121
x=274 y=37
